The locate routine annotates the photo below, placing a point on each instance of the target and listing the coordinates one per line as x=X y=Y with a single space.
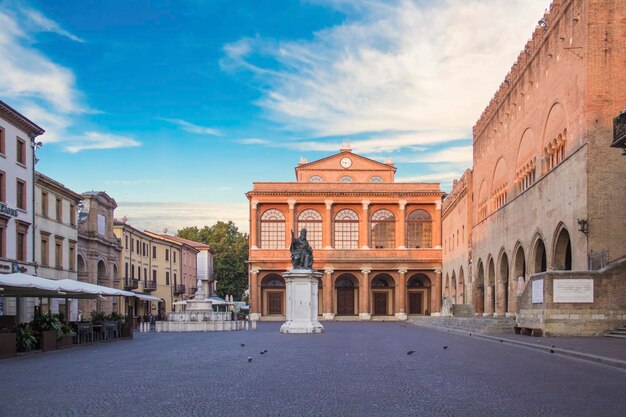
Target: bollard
x=246 y=325
x=254 y=325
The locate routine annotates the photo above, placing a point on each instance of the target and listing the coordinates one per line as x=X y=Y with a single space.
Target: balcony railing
x=192 y=290
x=179 y=289
x=619 y=131
x=131 y=284
x=149 y=285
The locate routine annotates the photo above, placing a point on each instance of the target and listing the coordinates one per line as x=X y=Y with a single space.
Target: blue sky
x=175 y=107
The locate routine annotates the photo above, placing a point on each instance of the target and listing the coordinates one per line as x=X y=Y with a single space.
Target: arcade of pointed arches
x=497 y=280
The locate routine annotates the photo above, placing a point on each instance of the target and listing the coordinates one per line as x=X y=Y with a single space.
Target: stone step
x=619 y=333
x=462 y=310
x=468 y=324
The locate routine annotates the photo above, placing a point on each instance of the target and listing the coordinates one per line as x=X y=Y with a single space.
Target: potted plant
x=65 y=338
x=7 y=345
x=126 y=327
x=25 y=337
x=48 y=326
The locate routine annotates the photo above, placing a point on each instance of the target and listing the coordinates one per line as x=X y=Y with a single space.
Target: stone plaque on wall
x=573 y=291
x=538 y=291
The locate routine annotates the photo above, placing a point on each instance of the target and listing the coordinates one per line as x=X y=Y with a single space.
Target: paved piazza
x=352 y=369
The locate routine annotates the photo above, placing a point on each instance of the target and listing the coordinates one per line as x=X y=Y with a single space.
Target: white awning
x=24 y=285
x=146 y=297
x=70 y=285
x=28 y=285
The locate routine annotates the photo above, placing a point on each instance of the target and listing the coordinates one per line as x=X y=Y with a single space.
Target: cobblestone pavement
x=609 y=347
x=354 y=369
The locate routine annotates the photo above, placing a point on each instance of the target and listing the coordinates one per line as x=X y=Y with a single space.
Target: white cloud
x=96 y=140
x=42 y=90
x=175 y=216
x=46 y=25
x=192 y=128
x=396 y=65
x=455 y=154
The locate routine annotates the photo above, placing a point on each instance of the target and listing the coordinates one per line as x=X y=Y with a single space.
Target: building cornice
x=9 y=113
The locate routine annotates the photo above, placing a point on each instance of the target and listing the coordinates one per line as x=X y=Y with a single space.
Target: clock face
x=346 y=162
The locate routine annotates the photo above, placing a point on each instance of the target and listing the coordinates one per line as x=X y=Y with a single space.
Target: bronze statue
x=301 y=252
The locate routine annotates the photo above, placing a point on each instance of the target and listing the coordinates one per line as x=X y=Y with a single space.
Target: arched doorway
x=540 y=262
x=563 y=251
x=453 y=288
x=418 y=294
x=519 y=277
x=346 y=293
x=273 y=295
x=81 y=268
x=490 y=288
x=502 y=300
x=382 y=287
x=479 y=294
x=461 y=287
x=102 y=273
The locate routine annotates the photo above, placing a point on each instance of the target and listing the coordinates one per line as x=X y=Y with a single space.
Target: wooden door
x=345 y=301
x=380 y=303
x=415 y=303
x=275 y=302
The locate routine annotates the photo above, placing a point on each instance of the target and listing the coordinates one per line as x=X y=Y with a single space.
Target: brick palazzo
x=377 y=242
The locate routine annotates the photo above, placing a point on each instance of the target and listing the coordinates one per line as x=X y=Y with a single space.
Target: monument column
x=364 y=313
x=400 y=236
x=401 y=296
x=291 y=223
x=255 y=299
x=328 y=227
x=363 y=225
x=253 y=223
x=328 y=295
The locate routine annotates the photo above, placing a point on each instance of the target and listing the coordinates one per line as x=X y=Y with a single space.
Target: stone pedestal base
x=255 y=317
x=401 y=316
x=302 y=288
x=365 y=316
x=329 y=316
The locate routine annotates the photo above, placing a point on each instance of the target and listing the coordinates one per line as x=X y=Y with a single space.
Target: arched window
x=345 y=178
x=346 y=230
x=311 y=220
x=315 y=178
x=419 y=230
x=376 y=178
x=383 y=229
x=272 y=230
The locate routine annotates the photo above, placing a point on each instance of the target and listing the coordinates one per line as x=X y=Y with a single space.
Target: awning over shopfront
x=146 y=297
x=24 y=285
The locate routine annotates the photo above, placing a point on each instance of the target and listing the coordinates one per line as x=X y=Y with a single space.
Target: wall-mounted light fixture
x=583 y=226
x=543 y=24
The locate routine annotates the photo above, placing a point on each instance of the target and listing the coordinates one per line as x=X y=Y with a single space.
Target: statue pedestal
x=302 y=302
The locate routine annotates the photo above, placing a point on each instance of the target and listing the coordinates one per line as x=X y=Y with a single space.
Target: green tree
x=230 y=260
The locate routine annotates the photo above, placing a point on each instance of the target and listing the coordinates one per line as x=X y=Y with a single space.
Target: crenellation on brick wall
x=530 y=54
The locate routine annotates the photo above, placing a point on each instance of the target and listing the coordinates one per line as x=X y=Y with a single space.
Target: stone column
x=435 y=299
x=401 y=232
x=255 y=295
x=437 y=226
x=253 y=223
x=328 y=295
x=363 y=225
x=327 y=238
x=364 y=290
x=401 y=296
x=291 y=223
